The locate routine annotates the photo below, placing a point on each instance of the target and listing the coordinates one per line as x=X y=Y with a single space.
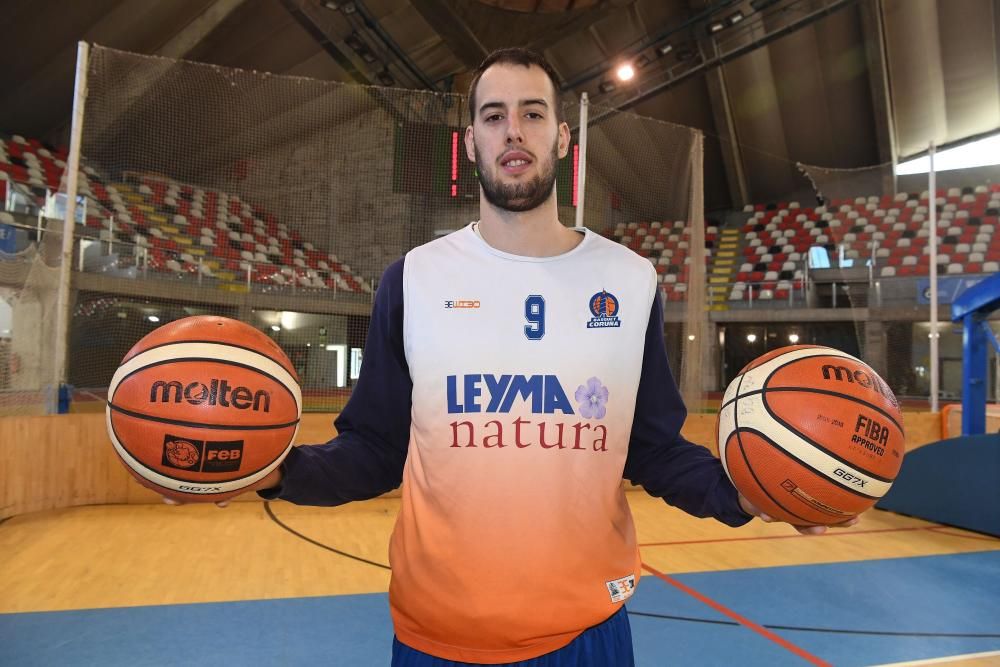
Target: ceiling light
x=715 y=26
x=607 y=87
x=793 y=338
x=735 y=18
x=664 y=49
x=691 y=336
x=752 y=338
x=982 y=153
x=275 y=327
x=330 y=4
x=625 y=72
x=153 y=318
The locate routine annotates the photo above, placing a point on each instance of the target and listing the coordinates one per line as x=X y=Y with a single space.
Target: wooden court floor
x=893 y=590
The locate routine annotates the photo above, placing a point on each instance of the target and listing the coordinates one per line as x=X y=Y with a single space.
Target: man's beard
x=518 y=197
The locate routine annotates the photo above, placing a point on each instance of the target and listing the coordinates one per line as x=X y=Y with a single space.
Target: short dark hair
x=516 y=56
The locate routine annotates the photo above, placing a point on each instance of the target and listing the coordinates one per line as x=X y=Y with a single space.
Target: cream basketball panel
x=220 y=351
x=752 y=414
x=727 y=424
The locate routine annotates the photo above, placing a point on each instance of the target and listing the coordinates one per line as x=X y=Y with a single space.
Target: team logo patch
x=202 y=455
x=621 y=589
x=604 y=308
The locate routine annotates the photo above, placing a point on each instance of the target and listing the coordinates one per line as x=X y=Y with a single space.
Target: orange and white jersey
x=534 y=385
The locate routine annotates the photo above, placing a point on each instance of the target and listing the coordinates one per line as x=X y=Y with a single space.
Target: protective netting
x=280 y=200
x=831 y=183
x=644 y=185
x=29 y=281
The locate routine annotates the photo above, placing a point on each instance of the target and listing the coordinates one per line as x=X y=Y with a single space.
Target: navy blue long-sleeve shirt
x=367 y=456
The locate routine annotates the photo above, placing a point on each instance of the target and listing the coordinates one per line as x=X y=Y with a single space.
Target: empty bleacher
x=179 y=230
x=773 y=243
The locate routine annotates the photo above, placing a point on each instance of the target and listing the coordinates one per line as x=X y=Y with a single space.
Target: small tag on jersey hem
x=621 y=589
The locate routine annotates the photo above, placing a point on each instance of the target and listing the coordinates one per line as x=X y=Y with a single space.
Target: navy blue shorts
x=606 y=645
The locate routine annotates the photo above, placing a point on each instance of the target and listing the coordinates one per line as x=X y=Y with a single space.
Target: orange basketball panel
x=784 y=488
x=836 y=374
x=198 y=454
x=848 y=429
x=207 y=392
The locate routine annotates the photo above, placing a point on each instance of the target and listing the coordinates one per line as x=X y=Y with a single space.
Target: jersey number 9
x=534 y=312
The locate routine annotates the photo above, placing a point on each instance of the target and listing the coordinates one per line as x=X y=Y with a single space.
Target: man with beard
x=514 y=373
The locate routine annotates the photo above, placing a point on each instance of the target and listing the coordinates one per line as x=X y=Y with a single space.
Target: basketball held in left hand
x=810 y=435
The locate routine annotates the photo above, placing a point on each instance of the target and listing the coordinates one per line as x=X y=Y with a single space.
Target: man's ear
x=470 y=144
x=564 y=137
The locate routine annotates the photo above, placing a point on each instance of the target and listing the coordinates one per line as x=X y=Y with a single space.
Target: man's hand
x=751 y=509
x=271 y=480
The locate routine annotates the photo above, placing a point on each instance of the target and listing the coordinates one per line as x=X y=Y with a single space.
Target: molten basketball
x=203 y=407
x=810 y=435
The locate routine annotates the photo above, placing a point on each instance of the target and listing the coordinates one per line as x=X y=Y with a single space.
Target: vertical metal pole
x=73 y=174
x=974 y=353
x=932 y=218
x=581 y=182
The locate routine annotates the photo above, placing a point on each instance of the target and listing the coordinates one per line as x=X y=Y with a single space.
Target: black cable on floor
x=839 y=631
x=270 y=513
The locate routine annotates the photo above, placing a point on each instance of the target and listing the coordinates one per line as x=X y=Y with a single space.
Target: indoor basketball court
x=202 y=208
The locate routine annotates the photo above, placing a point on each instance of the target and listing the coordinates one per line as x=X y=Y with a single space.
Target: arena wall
x=49 y=462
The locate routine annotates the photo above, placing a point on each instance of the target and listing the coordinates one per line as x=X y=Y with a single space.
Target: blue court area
x=856 y=613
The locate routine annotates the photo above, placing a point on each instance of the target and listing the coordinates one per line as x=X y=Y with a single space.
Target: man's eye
x=493 y=117
x=533 y=115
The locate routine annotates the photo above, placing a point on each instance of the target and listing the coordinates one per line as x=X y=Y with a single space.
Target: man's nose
x=514 y=135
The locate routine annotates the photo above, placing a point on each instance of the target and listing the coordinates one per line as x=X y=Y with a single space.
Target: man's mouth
x=515 y=162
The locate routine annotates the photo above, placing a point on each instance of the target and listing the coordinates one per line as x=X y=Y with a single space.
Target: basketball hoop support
x=972 y=308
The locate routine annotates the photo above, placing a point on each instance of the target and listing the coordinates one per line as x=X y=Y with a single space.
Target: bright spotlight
x=793 y=338
x=275 y=327
x=690 y=336
x=981 y=153
x=625 y=72
x=751 y=338
x=153 y=318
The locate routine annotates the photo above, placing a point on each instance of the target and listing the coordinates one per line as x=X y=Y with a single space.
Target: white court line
x=945 y=659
